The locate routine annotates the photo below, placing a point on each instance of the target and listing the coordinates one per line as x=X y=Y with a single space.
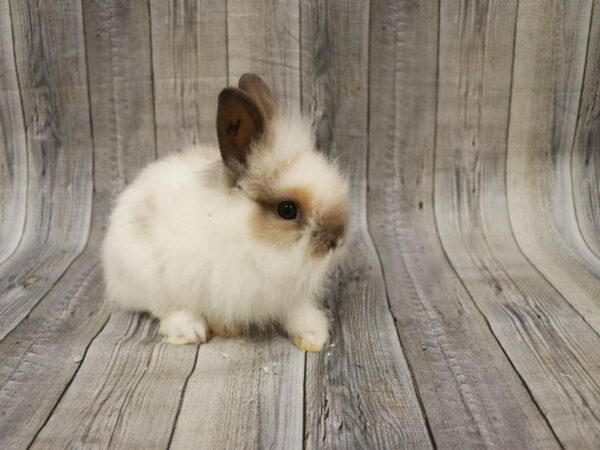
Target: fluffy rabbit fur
x=207 y=240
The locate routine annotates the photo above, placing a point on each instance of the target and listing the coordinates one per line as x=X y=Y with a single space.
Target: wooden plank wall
x=467 y=313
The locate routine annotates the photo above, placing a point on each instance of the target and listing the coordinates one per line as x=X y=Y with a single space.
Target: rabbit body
x=197 y=241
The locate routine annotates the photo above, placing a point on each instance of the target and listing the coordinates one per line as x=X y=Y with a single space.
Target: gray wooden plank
x=126 y=393
x=39 y=358
x=189 y=55
x=264 y=38
x=359 y=393
x=549 y=57
x=471 y=394
x=268 y=408
x=119 y=54
x=244 y=393
x=50 y=62
x=13 y=149
x=552 y=348
x=585 y=169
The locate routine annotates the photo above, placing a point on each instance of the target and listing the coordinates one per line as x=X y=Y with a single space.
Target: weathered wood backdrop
x=468 y=312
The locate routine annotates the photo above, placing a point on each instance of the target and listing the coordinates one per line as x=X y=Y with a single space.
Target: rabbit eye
x=287 y=210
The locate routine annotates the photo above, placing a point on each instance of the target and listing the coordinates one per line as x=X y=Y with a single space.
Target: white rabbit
x=217 y=241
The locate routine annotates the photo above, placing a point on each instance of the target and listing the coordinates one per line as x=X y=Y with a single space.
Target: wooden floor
x=467 y=314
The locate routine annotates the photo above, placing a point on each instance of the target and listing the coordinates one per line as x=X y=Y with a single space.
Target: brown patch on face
x=330 y=223
x=330 y=232
x=267 y=224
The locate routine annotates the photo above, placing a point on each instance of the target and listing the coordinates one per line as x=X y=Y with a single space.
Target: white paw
x=309 y=343
x=183 y=328
x=309 y=330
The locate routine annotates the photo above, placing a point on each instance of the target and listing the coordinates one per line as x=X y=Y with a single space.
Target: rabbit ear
x=256 y=88
x=240 y=122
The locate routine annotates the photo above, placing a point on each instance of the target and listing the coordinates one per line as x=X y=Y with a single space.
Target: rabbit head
x=299 y=197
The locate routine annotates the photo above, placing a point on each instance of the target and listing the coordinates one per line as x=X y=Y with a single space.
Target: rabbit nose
x=327 y=239
x=335 y=242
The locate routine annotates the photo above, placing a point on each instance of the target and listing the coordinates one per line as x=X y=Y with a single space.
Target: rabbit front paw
x=308 y=328
x=183 y=328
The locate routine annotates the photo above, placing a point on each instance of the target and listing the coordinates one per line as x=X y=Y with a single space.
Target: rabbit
x=212 y=240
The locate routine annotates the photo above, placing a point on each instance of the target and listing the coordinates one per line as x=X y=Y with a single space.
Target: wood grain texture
x=585 y=168
x=126 y=393
x=13 y=150
x=241 y=405
x=264 y=37
x=50 y=63
x=39 y=358
x=244 y=393
x=455 y=359
x=472 y=214
x=549 y=62
x=189 y=53
x=120 y=83
x=359 y=392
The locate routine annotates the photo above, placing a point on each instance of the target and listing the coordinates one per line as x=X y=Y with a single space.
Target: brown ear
x=240 y=122
x=255 y=87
